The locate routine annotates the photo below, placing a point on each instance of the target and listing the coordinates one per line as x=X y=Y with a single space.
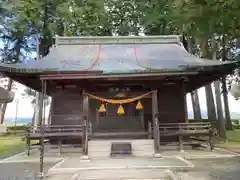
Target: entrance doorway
x=110 y=121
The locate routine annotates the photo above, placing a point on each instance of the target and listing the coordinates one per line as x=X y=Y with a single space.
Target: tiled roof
x=115 y=55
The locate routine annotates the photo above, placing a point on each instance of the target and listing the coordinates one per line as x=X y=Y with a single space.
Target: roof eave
x=83 y=40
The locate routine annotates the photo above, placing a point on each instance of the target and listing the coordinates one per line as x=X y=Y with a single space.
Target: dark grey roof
x=116 y=55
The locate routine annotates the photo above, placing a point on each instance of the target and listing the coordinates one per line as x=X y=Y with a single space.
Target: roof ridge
x=84 y=40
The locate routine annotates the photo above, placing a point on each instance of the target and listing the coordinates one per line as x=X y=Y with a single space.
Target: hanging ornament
x=139 y=106
x=120 y=110
x=102 y=108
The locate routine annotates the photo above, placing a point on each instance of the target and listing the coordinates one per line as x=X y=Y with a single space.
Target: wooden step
x=111 y=135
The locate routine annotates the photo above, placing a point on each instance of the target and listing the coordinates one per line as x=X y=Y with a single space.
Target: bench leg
x=28 y=146
x=180 y=140
x=210 y=142
x=60 y=146
x=41 y=155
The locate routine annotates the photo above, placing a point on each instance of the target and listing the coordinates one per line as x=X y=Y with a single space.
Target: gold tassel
x=102 y=108
x=120 y=110
x=139 y=106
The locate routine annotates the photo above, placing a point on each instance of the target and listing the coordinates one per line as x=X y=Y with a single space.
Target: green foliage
x=17 y=18
x=236 y=124
x=12 y=128
x=157 y=17
x=124 y=16
x=85 y=17
x=31 y=94
x=199 y=20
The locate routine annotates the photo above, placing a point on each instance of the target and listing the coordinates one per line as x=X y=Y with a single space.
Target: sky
x=25 y=108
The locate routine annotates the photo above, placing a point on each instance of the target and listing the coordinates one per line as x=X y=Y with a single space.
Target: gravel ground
x=213 y=169
x=21 y=171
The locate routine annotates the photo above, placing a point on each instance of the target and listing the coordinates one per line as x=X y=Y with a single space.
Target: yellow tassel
x=102 y=108
x=139 y=106
x=120 y=110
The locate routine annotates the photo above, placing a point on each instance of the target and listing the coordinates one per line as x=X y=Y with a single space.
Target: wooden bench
x=54 y=132
x=187 y=130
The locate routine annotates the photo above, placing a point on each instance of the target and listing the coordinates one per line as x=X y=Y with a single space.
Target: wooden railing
x=50 y=130
x=185 y=130
x=59 y=133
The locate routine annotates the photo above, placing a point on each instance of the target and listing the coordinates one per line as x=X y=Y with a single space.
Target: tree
x=83 y=17
x=221 y=120
x=14 y=32
x=8 y=87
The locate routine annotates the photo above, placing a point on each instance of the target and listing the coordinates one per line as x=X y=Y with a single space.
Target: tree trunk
x=208 y=88
x=50 y=112
x=194 y=94
x=211 y=111
x=226 y=105
x=196 y=105
x=4 y=105
x=224 y=90
x=221 y=120
x=38 y=108
x=33 y=117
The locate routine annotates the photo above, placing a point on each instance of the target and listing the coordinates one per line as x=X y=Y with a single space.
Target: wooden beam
x=95 y=40
x=117 y=76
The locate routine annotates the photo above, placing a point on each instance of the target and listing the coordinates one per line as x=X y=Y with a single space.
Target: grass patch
x=10 y=144
x=233 y=140
x=234 y=135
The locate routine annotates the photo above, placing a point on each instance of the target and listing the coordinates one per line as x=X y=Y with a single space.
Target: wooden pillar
x=97 y=117
x=41 y=150
x=42 y=116
x=41 y=104
x=44 y=102
x=85 y=107
x=86 y=122
x=185 y=101
x=149 y=130
x=141 y=113
x=155 y=122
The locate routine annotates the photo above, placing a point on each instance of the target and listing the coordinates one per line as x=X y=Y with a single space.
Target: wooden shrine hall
x=118 y=87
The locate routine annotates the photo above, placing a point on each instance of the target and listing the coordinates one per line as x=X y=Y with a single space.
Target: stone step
x=102 y=148
x=122 y=174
